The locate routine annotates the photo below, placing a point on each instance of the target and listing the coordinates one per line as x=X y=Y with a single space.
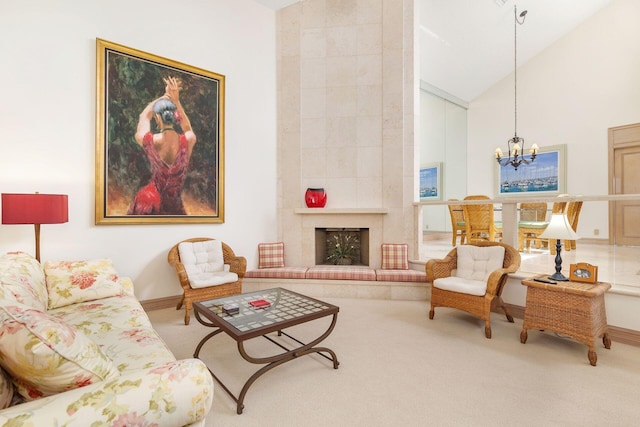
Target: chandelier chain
x=515 y=70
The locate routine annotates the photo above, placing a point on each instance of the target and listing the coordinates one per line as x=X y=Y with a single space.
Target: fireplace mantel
x=341 y=211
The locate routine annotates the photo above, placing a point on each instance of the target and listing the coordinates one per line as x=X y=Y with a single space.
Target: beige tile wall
x=346 y=94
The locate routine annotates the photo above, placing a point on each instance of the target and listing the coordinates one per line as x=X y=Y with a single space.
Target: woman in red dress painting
x=168 y=153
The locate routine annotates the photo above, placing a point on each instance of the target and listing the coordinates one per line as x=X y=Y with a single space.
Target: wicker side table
x=573 y=309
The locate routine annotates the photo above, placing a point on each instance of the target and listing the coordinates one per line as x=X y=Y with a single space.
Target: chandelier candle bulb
x=498 y=153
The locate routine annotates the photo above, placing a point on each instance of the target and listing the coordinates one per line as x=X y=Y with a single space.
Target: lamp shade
x=35 y=208
x=559 y=228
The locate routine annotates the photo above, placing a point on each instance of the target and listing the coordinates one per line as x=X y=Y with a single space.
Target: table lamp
x=35 y=209
x=559 y=229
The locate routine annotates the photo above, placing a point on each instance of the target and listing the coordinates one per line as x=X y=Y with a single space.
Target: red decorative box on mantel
x=315 y=197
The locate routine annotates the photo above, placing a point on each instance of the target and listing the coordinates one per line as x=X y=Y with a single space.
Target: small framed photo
x=583 y=272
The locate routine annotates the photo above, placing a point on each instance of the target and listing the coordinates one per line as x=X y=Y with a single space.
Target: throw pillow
x=22 y=280
x=395 y=256
x=477 y=262
x=271 y=255
x=70 y=282
x=201 y=257
x=46 y=356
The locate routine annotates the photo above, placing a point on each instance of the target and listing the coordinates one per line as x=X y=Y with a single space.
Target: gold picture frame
x=131 y=187
x=583 y=272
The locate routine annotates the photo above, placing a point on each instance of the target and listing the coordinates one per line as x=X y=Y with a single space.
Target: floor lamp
x=559 y=229
x=35 y=209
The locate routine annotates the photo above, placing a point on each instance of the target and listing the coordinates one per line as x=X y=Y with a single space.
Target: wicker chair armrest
x=238 y=265
x=182 y=275
x=439 y=268
x=497 y=279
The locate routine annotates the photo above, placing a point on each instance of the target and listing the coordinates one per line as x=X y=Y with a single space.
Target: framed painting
x=431 y=181
x=159 y=139
x=545 y=176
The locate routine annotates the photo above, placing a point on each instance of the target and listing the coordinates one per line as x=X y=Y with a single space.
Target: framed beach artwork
x=431 y=181
x=159 y=139
x=545 y=176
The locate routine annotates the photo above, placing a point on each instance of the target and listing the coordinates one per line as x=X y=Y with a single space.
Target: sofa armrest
x=177 y=393
x=127 y=286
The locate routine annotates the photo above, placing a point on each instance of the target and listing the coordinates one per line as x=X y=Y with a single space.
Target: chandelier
x=515 y=146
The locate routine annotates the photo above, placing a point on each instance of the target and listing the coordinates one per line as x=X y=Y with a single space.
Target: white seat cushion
x=459 y=284
x=204 y=263
x=477 y=262
x=204 y=280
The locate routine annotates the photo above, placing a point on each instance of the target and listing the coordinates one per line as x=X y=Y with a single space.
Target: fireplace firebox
x=342 y=246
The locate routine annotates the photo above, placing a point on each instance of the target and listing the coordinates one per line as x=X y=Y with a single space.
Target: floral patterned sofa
x=77 y=349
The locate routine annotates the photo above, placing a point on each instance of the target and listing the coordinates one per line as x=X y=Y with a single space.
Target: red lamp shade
x=35 y=208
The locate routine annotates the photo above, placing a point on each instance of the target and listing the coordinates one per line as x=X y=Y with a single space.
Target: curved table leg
x=272 y=361
x=287 y=356
x=523 y=336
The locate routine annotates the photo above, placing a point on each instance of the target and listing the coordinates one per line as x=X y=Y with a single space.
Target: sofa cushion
x=459 y=284
x=271 y=255
x=122 y=330
x=6 y=389
x=70 y=282
x=201 y=257
x=45 y=356
x=395 y=256
x=477 y=262
x=22 y=280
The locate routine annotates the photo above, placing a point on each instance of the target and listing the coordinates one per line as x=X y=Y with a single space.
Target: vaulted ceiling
x=466 y=46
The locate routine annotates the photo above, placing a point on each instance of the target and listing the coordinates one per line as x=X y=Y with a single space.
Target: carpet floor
x=397 y=367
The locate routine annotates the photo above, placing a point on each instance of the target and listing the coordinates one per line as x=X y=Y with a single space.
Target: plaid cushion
x=278 y=273
x=401 y=276
x=394 y=256
x=341 y=273
x=271 y=255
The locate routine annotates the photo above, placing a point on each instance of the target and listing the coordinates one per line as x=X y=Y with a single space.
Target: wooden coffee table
x=286 y=309
x=574 y=309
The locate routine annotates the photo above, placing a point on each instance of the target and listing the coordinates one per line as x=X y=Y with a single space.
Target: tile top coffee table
x=574 y=309
x=285 y=309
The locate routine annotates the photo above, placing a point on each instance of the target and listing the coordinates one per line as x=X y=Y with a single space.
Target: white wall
x=569 y=94
x=47 y=120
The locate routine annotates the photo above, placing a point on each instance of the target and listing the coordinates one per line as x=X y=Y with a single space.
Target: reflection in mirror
x=443 y=140
x=616 y=264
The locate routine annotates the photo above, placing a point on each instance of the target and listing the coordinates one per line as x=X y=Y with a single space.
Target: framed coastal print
x=544 y=176
x=159 y=139
x=431 y=181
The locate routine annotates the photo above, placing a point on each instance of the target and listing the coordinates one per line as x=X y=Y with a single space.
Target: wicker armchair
x=190 y=295
x=458 y=225
x=532 y=224
x=573 y=215
x=477 y=305
x=479 y=221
